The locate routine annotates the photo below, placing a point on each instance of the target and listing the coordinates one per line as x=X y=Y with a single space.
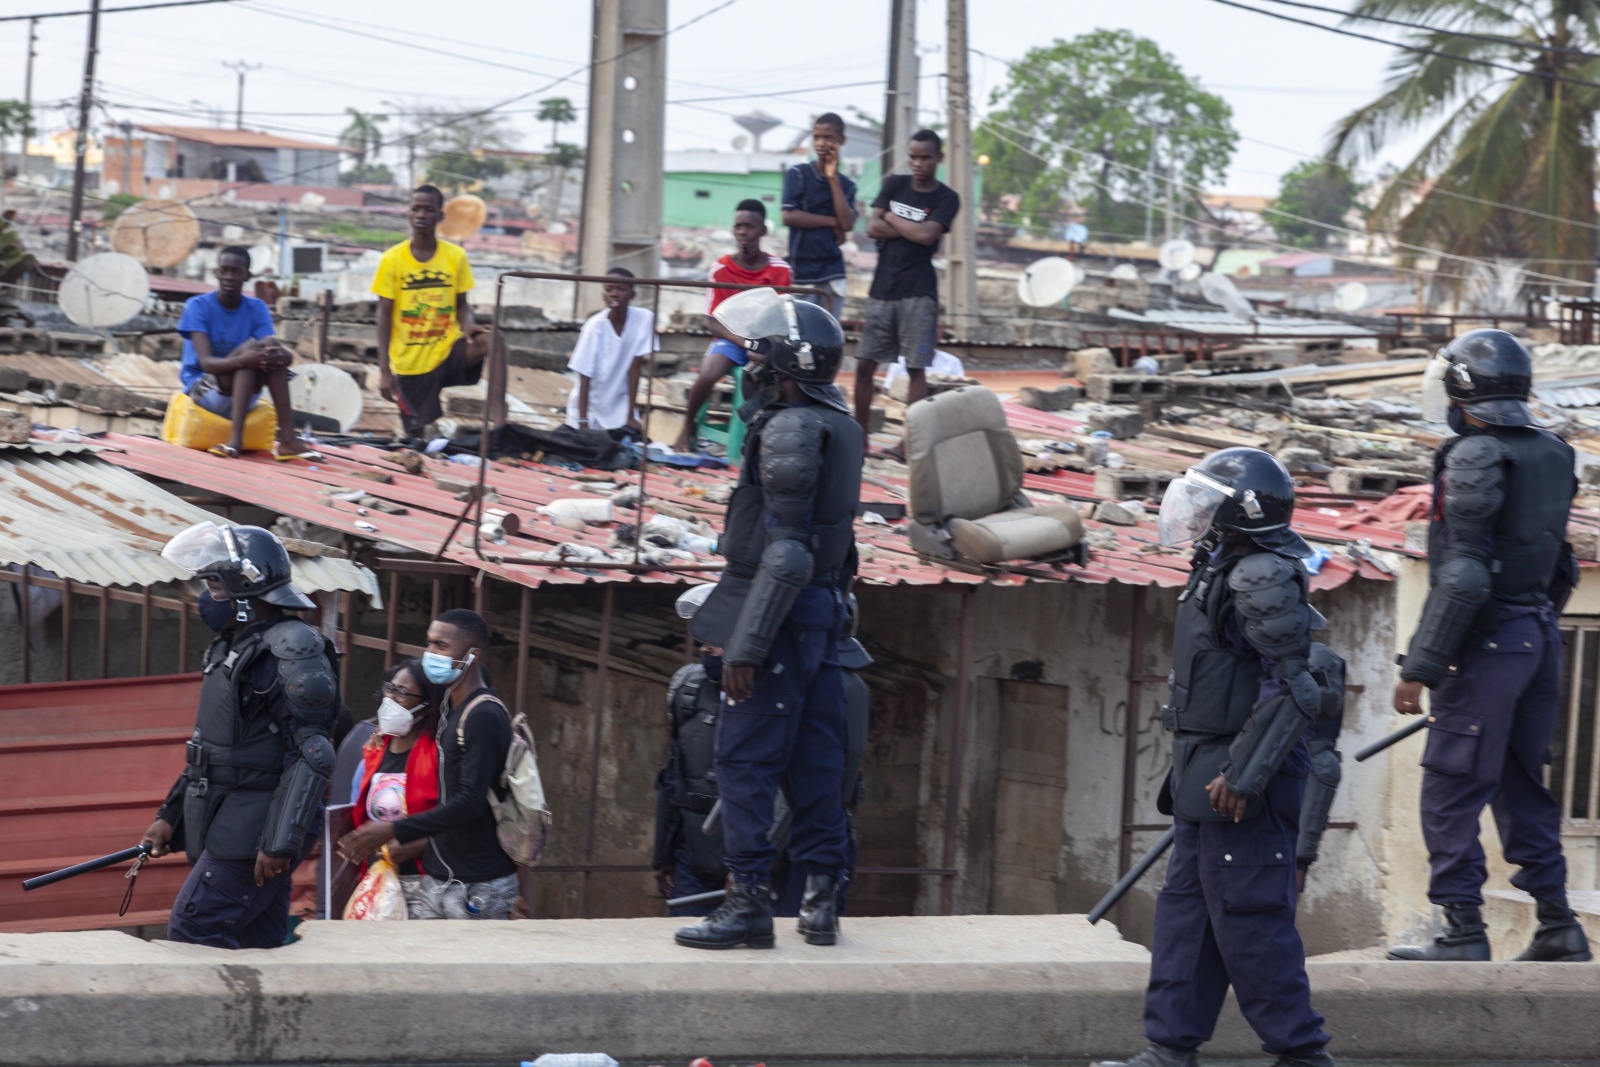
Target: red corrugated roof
x=299 y=490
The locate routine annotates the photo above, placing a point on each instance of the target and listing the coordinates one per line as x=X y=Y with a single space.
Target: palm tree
x=557 y=111
x=362 y=135
x=1509 y=172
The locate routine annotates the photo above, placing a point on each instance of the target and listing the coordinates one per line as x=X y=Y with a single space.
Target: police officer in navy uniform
x=1489 y=646
x=258 y=763
x=777 y=614
x=1249 y=688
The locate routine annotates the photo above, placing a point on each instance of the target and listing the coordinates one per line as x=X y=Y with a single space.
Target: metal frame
x=24 y=581
x=1578 y=723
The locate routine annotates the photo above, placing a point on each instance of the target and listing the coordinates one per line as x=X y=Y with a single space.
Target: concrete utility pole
x=622 y=179
x=27 y=86
x=1172 y=177
x=241 y=68
x=900 y=98
x=81 y=142
x=961 y=243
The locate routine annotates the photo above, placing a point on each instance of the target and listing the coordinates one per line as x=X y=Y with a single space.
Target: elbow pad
x=785 y=570
x=1326 y=770
x=298 y=799
x=1277 y=724
x=1460 y=589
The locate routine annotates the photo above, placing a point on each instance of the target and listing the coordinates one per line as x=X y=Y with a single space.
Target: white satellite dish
x=261 y=258
x=1076 y=233
x=1125 y=272
x=1190 y=271
x=1350 y=297
x=1176 y=254
x=233 y=233
x=319 y=389
x=1047 y=282
x=1219 y=289
x=105 y=289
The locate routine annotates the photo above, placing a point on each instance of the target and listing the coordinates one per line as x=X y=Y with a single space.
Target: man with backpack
x=467 y=872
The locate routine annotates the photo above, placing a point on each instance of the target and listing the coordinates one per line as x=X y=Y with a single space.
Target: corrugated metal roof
x=80 y=517
x=1222 y=324
x=1129 y=555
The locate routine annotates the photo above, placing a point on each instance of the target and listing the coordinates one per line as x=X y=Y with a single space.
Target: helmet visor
x=689 y=603
x=1188 y=509
x=1435 y=398
x=757 y=313
x=201 y=548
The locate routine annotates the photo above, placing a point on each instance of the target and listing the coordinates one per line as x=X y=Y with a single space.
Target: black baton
x=1399 y=735
x=1136 y=872
x=697 y=898
x=139 y=851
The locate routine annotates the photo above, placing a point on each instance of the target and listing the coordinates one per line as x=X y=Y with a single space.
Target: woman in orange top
x=400 y=769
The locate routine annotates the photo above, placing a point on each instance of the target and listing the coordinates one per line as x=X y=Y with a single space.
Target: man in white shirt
x=608 y=359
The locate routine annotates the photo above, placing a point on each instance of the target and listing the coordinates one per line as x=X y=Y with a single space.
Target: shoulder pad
x=293 y=639
x=1265 y=583
x=791 y=450
x=1473 y=479
x=1476 y=452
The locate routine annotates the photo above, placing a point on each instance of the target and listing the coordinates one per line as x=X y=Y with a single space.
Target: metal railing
x=1574 y=770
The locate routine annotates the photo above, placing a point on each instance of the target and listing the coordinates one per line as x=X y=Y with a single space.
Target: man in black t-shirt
x=911 y=214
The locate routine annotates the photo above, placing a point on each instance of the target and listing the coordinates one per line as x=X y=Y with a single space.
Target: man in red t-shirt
x=748 y=265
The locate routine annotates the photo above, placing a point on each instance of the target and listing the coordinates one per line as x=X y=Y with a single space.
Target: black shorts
x=418 y=394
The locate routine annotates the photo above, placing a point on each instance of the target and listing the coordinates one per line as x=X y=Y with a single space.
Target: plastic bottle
x=585 y=509
x=571 y=1059
x=1099 y=447
x=697 y=543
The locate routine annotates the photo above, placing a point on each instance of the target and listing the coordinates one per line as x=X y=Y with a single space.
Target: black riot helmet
x=1487 y=372
x=247 y=561
x=1242 y=490
x=794 y=339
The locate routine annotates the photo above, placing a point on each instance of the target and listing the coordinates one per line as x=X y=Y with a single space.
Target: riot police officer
x=776 y=613
x=1489 y=646
x=1247 y=691
x=257 y=766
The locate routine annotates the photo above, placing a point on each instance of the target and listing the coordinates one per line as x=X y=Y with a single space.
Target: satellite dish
x=464 y=216
x=1076 y=233
x=1190 y=271
x=320 y=389
x=233 y=233
x=261 y=258
x=157 y=233
x=1125 y=272
x=1350 y=297
x=105 y=289
x=1219 y=289
x=1176 y=255
x=1047 y=282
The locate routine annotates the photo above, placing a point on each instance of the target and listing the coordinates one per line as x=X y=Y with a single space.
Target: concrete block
x=1363 y=481
x=1127 y=484
x=1585 y=543
x=15 y=427
x=76 y=344
x=13 y=380
x=1181 y=389
x=1302 y=461
x=1126 y=388
x=1060 y=398
x=16 y=340
x=352 y=349
x=1118 y=513
x=1255 y=356
x=1120 y=424
x=1087 y=362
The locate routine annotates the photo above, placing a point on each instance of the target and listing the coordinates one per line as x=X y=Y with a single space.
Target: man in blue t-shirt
x=230 y=353
x=819 y=209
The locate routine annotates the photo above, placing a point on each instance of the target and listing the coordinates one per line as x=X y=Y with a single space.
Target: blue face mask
x=216 y=614
x=1457 y=418
x=712 y=665
x=441 y=669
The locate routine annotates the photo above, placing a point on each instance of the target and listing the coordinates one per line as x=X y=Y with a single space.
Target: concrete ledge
x=978 y=987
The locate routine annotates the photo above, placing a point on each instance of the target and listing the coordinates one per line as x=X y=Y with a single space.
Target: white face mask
x=394 y=719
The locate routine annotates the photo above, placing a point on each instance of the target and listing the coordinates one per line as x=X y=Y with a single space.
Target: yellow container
x=192 y=426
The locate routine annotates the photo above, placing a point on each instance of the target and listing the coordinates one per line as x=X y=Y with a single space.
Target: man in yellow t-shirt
x=427 y=339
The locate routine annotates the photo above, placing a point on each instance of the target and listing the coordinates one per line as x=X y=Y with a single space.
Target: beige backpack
x=522 y=819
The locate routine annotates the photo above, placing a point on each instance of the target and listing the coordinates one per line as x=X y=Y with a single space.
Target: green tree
x=1319 y=190
x=364 y=136
x=1508 y=167
x=557 y=111
x=1081 y=121
x=457 y=146
x=16 y=120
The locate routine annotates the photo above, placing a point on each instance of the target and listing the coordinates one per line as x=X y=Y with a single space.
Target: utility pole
x=127 y=158
x=961 y=246
x=27 y=86
x=1150 y=186
x=241 y=68
x=81 y=142
x=900 y=98
x=1172 y=177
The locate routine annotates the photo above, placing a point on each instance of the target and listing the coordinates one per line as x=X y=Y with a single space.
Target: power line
x=113 y=10
x=1510 y=42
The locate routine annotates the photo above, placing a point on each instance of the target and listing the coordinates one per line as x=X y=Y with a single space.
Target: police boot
x=1156 y=1056
x=1312 y=1056
x=1465 y=939
x=819 y=910
x=1559 y=938
x=743 y=918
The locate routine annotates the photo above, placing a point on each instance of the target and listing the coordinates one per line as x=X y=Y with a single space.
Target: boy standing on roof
x=608 y=359
x=819 y=209
x=747 y=265
x=427 y=339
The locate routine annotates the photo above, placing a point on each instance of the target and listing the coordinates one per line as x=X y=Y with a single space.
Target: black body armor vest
x=1214 y=689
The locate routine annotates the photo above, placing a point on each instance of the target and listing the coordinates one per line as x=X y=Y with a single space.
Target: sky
x=1287 y=84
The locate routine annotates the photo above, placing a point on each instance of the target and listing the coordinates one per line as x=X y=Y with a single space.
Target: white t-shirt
x=604 y=357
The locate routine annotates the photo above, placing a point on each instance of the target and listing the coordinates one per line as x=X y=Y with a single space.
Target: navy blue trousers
x=220 y=905
x=790 y=735
x=686 y=882
x=1488 y=743
x=1226 y=917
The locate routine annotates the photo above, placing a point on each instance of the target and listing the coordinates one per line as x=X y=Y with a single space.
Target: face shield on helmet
x=1189 y=507
x=206 y=548
x=689 y=603
x=757 y=313
x=1435 y=394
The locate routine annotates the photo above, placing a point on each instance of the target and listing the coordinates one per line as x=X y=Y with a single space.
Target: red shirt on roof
x=776 y=272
